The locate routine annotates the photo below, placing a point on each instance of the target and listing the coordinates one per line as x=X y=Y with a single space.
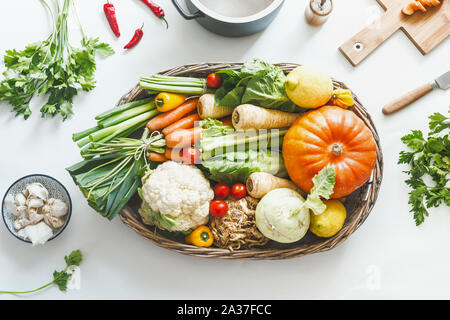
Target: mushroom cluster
x=36 y=215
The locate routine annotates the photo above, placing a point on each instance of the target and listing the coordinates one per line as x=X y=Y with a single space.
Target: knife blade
x=442 y=82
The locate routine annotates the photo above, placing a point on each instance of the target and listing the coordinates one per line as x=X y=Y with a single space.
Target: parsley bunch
x=60 y=278
x=428 y=157
x=51 y=67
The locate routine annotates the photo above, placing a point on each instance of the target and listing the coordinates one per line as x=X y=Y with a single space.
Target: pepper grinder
x=318 y=11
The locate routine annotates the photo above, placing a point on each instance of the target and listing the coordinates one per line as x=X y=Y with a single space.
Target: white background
x=388 y=256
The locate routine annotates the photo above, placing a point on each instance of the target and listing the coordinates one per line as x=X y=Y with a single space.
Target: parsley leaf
x=60 y=278
x=51 y=67
x=428 y=157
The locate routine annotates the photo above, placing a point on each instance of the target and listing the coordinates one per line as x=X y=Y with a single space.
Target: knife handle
x=407 y=99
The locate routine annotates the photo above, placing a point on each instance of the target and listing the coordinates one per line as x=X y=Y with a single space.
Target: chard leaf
x=323 y=188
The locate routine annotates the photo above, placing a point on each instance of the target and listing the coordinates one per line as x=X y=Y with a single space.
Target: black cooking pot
x=231 y=18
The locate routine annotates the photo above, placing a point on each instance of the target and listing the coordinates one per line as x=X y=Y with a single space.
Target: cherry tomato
x=213 y=80
x=238 y=191
x=218 y=208
x=221 y=190
x=191 y=155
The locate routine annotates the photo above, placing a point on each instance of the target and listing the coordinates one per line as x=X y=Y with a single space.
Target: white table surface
x=388 y=256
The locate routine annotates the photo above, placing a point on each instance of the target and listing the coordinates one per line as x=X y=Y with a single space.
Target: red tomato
x=191 y=155
x=218 y=208
x=213 y=80
x=238 y=191
x=221 y=190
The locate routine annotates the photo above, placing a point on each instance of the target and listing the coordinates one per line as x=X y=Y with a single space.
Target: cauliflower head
x=176 y=197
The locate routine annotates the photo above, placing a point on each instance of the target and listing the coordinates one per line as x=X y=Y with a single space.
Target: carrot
x=157 y=157
x=207 y=108
x=409 y=9
x=184 y=123
x=247 y=116
x=167 y=118
x=260 y=183
x=420 y=6
x=227 y=121
x=183 y=137
x=174 y=154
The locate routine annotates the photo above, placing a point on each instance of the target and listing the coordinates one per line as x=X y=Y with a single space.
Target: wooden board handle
x=358 y=47
x=407 y=99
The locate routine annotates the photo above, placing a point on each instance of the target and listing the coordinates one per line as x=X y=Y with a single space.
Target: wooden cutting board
x=425 y=29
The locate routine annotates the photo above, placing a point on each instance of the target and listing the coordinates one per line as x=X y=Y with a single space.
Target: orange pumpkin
x=330 y=136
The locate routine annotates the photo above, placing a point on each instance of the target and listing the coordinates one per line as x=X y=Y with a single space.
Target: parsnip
x=248 y=116
x=260 y=183
x=207 y=108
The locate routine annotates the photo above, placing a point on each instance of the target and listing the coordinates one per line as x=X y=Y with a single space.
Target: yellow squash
x=342 y=98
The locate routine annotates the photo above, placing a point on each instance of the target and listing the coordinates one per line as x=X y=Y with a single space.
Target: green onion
x=112 y=173
x=186 y=85
x=85 y=133
x=125 y=115
x=123 y=107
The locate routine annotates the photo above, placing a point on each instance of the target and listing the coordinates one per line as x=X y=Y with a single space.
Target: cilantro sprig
x=60 y=278
x=428 y=157
x=51 y=67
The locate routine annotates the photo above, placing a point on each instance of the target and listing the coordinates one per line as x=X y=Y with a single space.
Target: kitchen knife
x=443 y=82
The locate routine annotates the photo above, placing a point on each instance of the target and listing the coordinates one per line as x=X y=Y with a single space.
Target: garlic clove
x=56 y=207
x=52 y=221
x=21 y=223
x=21 y=211
x=37 y=190
x=34 y=203
x=34 y=216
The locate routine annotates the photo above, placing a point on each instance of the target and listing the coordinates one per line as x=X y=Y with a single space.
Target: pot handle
x=184 y=14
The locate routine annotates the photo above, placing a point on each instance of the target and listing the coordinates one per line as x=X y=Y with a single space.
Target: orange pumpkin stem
x=336 y=149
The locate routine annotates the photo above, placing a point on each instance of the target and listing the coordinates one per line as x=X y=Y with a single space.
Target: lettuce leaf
x=259 y=83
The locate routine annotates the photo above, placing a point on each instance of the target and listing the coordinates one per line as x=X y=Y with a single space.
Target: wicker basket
x=358 y=204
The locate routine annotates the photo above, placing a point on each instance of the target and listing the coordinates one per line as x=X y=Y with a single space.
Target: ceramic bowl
x=55 y=190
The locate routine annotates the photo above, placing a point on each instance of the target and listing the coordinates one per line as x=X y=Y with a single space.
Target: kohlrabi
x=283 y=215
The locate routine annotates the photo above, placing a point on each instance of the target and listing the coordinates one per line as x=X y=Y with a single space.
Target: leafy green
x=215 y=128
x=323 y=188
x=429 y=157
x=259 y=83
x=111 y=174
x=60 y=278
x=234 y=167
x=51 y=67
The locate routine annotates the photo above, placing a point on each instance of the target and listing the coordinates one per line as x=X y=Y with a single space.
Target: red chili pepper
x=110 y=13
x=136 y=38
x=157 y=10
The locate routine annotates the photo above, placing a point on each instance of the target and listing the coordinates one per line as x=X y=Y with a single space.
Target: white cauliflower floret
x=179 y=193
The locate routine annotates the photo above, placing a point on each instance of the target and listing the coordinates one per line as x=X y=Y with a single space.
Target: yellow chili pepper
x=200 y=237
x=167 y=101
